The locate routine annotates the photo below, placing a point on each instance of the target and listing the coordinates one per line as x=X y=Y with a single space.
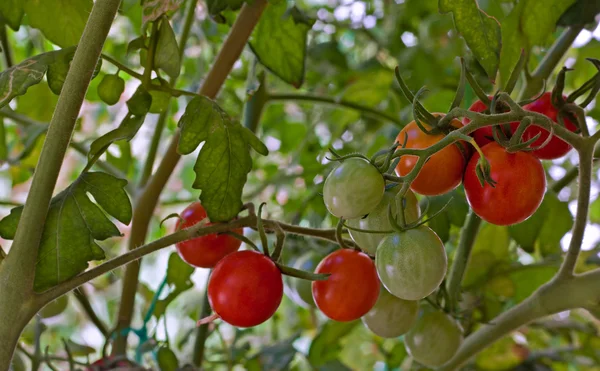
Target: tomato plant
x=434 y=339
x=348 y=198
x=442 y=172
x=245 y=288
x=411 y=264
x=520 y=183
x=301 y=290
x=557 y=147
x=485 y=134
x=204 y=251
x=391 y=316
x=378 y=220
x=342 y=297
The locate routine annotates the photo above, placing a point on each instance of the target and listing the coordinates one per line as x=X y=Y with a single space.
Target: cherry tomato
x=556 y=148
x=434 y=339
x=442 y=172
x=484 y=135
x=391 y=316
x=353 y=189
x=411 y=264
x=204 y=251
x=245 y=288
x=109 y=363
x=377 y=220
x=519 y=190
x=352 y=288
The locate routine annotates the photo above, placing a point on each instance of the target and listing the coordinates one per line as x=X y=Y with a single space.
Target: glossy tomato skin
x=378 y=220
x=434 y=339
x=204 y=251
x=391 y=316
x=353 y=189
x=352 y=288
x=245 y=288
x=519 y=190
x=484 y=135
x=556 y=148
x=442 y=172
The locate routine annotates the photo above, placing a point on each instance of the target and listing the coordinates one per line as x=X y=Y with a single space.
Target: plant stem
x=146 y=203
x=122 y=67
x=255 y=105
x=83 y=299
x=583 y=204
x=202 y=331
x=461 y=258
x=17 y=271
x=5 y=47
x=550 y=61
x=337 y=102
x=147 y=77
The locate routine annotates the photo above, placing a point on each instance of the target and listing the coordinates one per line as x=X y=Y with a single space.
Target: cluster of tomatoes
x=518 y=178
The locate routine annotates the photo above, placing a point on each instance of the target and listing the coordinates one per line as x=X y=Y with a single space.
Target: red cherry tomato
x=351 y=290
x=519 y=190
x=204 y=251
x=442 y=172
x=245 y=288
x=484 y=135
x=556 y=148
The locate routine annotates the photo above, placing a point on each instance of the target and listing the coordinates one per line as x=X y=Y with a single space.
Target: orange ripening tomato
x=485 y=134
x=443 y=171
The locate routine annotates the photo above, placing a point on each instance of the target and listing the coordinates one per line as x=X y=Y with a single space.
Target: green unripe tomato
x=411 y=264
x=301 y=290
x=353 y=189
x=378 y=220
x=110 y=89
x=391 y=316
x=434 y=339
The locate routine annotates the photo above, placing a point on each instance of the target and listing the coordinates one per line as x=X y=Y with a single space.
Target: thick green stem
x=202 y=331
x=8 y=61
x=337 y=102
x=461 y=257
x=146 y=203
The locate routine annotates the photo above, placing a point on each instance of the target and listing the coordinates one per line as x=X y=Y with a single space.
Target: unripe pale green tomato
x=353 y=189
x=391 y=316
x=301 y=290
x=434 y=339
x=378 y=220
x=110 y=89
x=411 y=264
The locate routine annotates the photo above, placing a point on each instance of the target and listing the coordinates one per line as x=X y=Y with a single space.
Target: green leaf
x=215 y=7
x=140 y=102
x=136 y=44
x=274 y=357
x=79 y=350
x=370 y=89
x=61 y=21
x=124 y=161
x=224 y=160
x=178 y=277
x=17 y=363
x=73 y=224
x=167 y=360
x=279 y=41
x=160 y=101
x=580 y=13
x=57 y=71
x=11 y=12
x=455 y=212
x=595 y=211
x=480 y=31
x=55 y=307
x=326 y=345
x=529 y=278
x=154 y=9
x=167 y=51
x=545 y=228
x=17 y=79
x=126 y=131
x=490 y=249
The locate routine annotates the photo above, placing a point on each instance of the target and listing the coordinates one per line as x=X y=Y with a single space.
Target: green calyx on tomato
x=411 y=264
x=378 y=219
x=391 y=316
x=434 y=339
x=353 y=189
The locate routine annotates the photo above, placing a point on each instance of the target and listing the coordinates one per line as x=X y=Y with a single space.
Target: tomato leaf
x=326 y=346
x=279 y=41
x=57 y=71
x=530 y=23
x=61 y=21
x=480 y=31
x=224 y=161
x=154 y=9
x=73 y=225
x=275 y=357
x=55 y=307
x=215 y=7
x=167 y=51
x=79 y=350
x=489 y=250
x=580 y=13
x=11 y=12
x=178 y=278
x=126 y=131
x=167 y=360
x=545 y=228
